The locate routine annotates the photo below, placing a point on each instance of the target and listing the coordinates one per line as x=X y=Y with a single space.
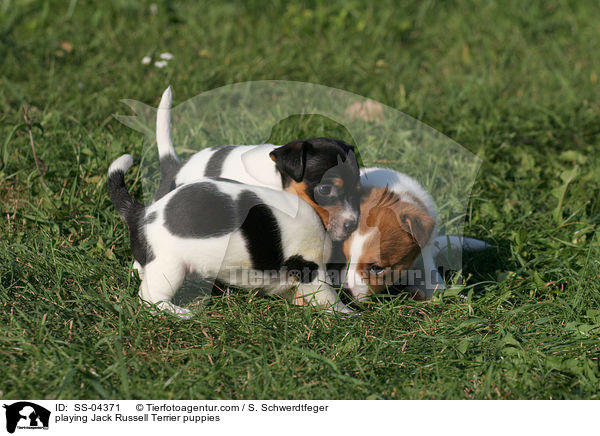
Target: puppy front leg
x=161 y=279
x=319 y=293
x=433 y=279
x=298 y=299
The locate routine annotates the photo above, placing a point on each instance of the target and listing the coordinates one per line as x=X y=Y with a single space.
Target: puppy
x=397 y=224
x=322 y=171
x=228 y=231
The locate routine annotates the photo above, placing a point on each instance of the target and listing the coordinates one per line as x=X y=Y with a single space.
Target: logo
x=26 y=415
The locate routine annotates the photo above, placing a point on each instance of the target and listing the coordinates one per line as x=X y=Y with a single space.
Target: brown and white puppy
x=397 y=224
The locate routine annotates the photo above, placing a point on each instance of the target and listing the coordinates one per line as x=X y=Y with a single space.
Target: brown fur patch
x=301 y=190
x=338 y=182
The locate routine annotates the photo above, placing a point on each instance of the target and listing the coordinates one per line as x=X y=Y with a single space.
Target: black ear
x=348 y=148
x=351 y=149
x=351 y=159
x=290 y=159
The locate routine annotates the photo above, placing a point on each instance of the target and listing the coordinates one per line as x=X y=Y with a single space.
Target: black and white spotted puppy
x=245 y=236
x=321 y=171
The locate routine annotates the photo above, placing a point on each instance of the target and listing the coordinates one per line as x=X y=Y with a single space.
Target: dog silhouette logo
x=26 y=415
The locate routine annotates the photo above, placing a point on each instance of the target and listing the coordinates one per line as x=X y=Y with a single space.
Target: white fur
x=163 y=126
x=121 y=164
x=250 y=164
x=350 y=276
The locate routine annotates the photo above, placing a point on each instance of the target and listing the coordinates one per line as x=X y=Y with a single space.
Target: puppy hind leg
x=161 y=280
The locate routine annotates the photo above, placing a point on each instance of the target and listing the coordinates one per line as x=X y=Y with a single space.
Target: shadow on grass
x=480 y=268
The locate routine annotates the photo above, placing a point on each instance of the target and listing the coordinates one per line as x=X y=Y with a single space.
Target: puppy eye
x=376 y=269
x=325 y=189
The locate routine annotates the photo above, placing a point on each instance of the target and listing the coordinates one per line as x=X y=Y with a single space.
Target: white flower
x=166 y=56
x=153 y=8
x=146 y=60
x=160 y=64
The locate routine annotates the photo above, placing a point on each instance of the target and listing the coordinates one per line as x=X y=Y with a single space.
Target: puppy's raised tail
x=127 y=206
x=169 y=162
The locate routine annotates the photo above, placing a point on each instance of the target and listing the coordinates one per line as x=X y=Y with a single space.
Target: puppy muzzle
x=341 y=227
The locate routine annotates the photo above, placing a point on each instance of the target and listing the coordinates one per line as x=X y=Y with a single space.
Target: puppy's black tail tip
x=124 y=203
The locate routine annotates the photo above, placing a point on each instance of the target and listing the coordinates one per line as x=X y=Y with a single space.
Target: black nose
x=350 y=226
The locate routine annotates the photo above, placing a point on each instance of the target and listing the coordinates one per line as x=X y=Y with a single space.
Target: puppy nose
x=350 y=226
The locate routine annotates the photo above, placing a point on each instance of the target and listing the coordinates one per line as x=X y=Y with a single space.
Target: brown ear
x=419 y=225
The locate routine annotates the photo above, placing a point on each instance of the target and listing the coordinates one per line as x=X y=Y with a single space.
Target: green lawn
x=517 y=83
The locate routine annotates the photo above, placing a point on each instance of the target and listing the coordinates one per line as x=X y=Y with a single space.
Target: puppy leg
x=298 y=298
x=137 y=268
x=319 y=293
x=161 y=279
x=433 y=279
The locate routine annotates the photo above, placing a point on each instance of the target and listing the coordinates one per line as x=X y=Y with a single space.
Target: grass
x=516 y=83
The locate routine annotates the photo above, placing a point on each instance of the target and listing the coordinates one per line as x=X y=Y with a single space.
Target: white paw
x=180 y=312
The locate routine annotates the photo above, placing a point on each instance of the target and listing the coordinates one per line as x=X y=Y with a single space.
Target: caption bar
x=73 y=417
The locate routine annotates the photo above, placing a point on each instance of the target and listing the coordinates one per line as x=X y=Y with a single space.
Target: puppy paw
x=180 y=312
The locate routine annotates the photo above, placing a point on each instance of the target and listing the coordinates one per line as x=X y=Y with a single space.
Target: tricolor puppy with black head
x=396 y=228
x=225 y=230
x=322 y=171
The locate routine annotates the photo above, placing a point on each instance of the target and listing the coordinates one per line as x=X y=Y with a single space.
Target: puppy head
x=389 y=238
x=324 y=172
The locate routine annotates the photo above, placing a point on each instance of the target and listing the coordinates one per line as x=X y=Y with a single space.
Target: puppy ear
x=356 y=157
x=412 y=218
x=290 y=158
x=418 y=224
x=348 y=148
x=351 y=159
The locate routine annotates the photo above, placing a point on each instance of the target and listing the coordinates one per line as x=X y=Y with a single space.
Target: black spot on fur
x=139 y=244
x=261 y=232
x=214 y=166
x=304 y=270
x=200 y=210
